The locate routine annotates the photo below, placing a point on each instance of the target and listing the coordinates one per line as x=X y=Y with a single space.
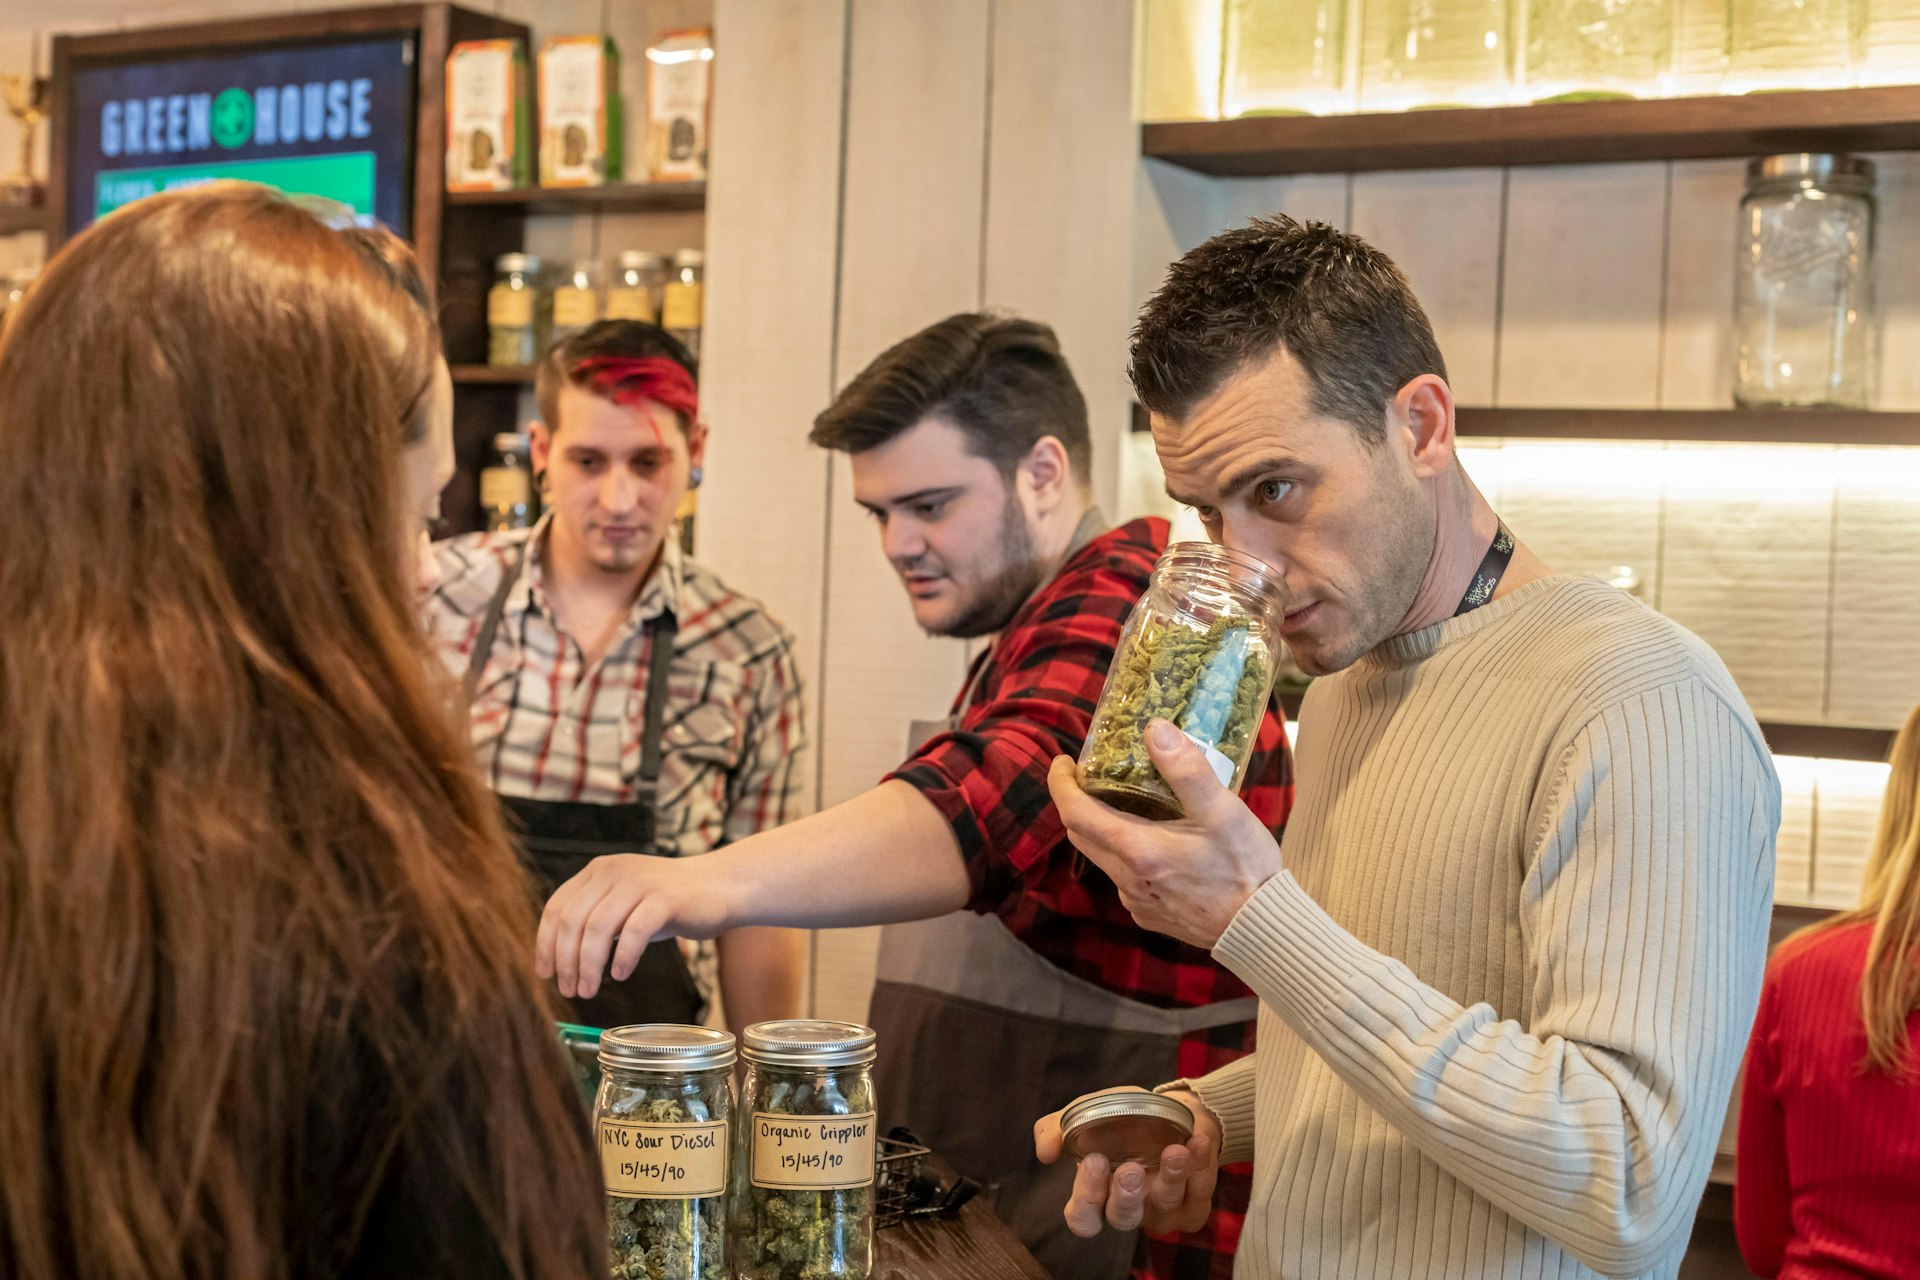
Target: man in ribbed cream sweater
x=1509 y=951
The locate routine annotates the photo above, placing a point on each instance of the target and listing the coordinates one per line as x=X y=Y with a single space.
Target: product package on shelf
x=489 y=134
x=679 y=87
x=580 y=127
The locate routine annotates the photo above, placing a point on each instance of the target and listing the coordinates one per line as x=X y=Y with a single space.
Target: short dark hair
x=1002 y=381
x=1337 y=304
x=623 y=339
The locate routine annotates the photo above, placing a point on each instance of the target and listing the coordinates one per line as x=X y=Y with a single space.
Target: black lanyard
x=1488 y=575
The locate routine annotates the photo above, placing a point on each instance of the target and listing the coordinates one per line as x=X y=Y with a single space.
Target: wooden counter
x=973 y=1245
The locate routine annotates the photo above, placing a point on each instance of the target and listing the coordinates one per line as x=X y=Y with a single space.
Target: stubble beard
x=991 y=606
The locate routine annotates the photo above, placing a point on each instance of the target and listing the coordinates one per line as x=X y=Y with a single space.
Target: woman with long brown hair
x=267 y=1006
x=1829 y=1149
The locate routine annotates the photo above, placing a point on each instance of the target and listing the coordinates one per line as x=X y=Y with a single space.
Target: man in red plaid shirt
x=969 y=447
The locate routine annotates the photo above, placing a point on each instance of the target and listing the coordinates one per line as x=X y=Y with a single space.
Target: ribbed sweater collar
x=1418 y=646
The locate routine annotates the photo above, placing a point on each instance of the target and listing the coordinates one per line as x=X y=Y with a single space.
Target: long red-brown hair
x=255 y=909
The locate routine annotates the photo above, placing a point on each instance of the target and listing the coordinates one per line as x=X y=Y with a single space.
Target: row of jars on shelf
x=530 y=307
x=1332 y=56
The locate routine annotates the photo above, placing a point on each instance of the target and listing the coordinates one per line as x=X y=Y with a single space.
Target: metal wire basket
x=895 y=1167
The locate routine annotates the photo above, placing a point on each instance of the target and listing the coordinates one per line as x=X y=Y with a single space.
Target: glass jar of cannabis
x=638 y=285
x=519 y=312
x=1198 y=650
x=662 y=1121
x=803 y=1174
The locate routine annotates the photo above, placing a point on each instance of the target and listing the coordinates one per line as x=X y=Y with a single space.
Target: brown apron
x=980 y=1036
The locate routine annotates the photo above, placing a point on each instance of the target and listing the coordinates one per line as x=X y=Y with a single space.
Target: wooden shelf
x=15 y=219
x=1795 y=915
x=624 y=197
x=1729 y=426
x=1828 y=741
x=1879 y=119
x=485 y=375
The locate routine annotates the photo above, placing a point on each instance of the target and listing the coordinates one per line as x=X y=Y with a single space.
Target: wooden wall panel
x=1443 y=229
x=1897 y=275
x=1062 y=152
x=1313 y=197
x=1580 y=317
x=771 y=235
x=916 y=171
x=1697 y=342
x=912 y=230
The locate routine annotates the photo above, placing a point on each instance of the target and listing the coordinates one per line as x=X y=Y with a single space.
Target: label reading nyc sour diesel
x=812 y=1153
x=663 y=1161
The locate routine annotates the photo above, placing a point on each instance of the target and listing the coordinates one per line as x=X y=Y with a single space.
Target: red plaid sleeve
x=1035 y=702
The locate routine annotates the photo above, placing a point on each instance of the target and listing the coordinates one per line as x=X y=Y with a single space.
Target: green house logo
x=233 y=118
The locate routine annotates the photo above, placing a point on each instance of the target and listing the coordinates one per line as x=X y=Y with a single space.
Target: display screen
x=333 y=120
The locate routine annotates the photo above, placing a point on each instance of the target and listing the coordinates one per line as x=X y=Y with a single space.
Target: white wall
x=879 y=164
x=982 y=155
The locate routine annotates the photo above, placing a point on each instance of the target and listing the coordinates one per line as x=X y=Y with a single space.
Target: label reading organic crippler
x=812 y=1153
x=663 y=1161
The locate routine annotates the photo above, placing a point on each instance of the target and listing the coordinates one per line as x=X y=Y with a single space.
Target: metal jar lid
x=805 y=1042
x=665 y=1046
x=1125 y=1125
x=690 y=258
x=1839 y=172
x=518 y=262
x=640 y=258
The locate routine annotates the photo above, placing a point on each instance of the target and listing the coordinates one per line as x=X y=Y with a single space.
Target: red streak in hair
x=628 y=380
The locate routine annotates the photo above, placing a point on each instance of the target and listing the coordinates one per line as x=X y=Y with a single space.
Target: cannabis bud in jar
x=1197 y=651
x=662 y=1121
x=803 y=1182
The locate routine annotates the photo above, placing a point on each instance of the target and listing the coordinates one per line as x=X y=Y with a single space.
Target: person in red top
x=1828 y=1177
x=1031 y=985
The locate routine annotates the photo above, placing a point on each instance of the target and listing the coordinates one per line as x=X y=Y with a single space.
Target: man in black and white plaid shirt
x=560 y=697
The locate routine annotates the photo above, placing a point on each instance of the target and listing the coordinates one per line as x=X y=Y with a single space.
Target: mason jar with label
x=576 y=299
x=663 y=1123
x=806 y=1147
x=684 y=304
x=519 y=313
x=506 y=483
x=638 y=285
x=1803 y=296
x=1198 y=651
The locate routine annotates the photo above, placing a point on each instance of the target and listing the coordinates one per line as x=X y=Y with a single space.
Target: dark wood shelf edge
x=1828 y=741
x=1727 y=426
x=631 y=197
x=1701 y=128
x=485 y=375
x=19 y=219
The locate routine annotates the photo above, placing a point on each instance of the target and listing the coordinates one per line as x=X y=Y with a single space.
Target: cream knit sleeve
x=1593 y=1117
x=1229 y=1094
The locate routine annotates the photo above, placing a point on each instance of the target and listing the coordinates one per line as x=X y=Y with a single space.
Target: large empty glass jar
x=1804 y=290
x=1794 y=44
x=1285 y=56
x=1435 y=53
x=1598 y=49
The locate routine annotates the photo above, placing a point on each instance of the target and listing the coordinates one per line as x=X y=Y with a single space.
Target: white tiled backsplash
x=1799 y=564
